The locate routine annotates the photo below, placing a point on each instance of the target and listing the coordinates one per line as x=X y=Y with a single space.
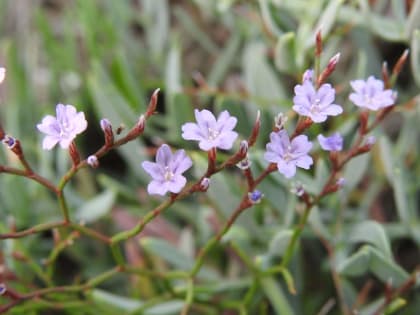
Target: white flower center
x=213 y=134
x=288 y=155
x=316 y=106
x=168 y=175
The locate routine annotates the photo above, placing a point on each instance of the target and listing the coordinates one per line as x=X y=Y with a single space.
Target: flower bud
x=2 y=133
x=9 y=141
x=3 y=288
x=318 y=44
x=255 y=130
x=332 y=63
x=92 y=160
x=255 y=196
x=107 y=129
x=367 y=146
x=244 y=164
x=74 y=153
x=308 y=75
x=152 y=104
x=341 y=182
x=297 y=189
x=243 y=148
x=204 y=184
x=279 y=121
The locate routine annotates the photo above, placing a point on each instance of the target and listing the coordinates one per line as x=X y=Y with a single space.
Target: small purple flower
x=63 y=128
x=211 y=133
x=316 y=104
x=288 y=155
x=370 y=94
x=331 y=143
x=167 y=171
x=255 y=196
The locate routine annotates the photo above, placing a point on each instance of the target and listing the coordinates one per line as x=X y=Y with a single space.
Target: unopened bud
x=297 y=189
x=152 y=104
x=255 y=196
x=9 y=141
x=2 y=133
x=92 y=160
x=243 y=148
x=363 y=120
x=400 y=63
x=279 y=121
x=204 y=184
x=3 y=288
x=367 y=146
x=318 y=43
x=308 y=75
x=341 y=182
x=74 y=153
x=255 y=130
x=140 y=123
x=108 y=133
x=332 y=63
x=385 y=75
x=244 y=164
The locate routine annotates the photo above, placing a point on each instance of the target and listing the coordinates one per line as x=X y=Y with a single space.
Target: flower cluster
x=211 y=133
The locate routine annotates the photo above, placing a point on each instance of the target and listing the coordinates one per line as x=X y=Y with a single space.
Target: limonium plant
x=290 y=151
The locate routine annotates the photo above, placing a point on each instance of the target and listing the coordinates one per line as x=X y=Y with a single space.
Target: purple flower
x=316 y=104
x=371 y=94
x=211 y=133
x=167 y=171
x=331 y=143
x=63 y=128
x=288 y=155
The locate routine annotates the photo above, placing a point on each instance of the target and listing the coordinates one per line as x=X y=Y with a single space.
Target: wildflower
x=211 y=133
x=167 y=171
x=288 y=154
x=63 y=128
x=370 y=94
x=308 y=75
x=255 y=196
x=316 y=104
x=332 y=143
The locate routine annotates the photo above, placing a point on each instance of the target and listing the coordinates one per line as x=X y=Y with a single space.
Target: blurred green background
x=107 y=56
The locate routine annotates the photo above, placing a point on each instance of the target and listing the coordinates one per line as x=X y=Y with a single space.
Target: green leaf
x=97 y=207
x=357 y=264
x=168 y=252
x=226 y=59
x=371 y=232
x=369 y=259
x=260 y=79
x=165 y=308
x=413 y=21
x=355 y=169
x=275 y=294
x=325 y=22
x=386 y=269
x=115 y=301
x=415 y=56
x=279 y=242
x=395 y=174
x=285 y=53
